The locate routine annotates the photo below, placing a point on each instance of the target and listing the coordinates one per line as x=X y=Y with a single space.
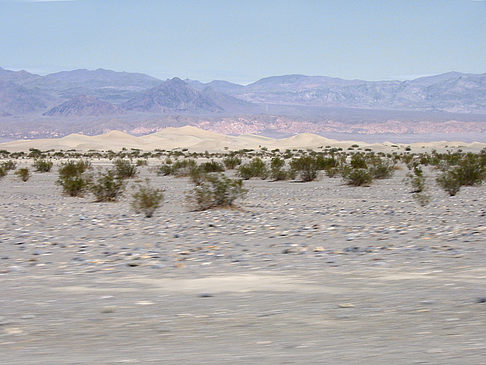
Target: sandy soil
x=302 y=273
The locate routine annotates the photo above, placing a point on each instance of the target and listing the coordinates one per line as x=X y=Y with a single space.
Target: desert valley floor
x=299 y=273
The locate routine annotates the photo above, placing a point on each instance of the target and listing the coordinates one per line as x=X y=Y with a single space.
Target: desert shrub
x=42 y=165
x=23 y=174
x=4 y=153
x=197 y=175
x=305 y=167
x=124 y=169
x=3 y=172
x=470 y=171
x=450 y=182
x=141 y=162
x=278 y=171
x=75 y=186
x=164 y=170
x=332 y=172
x=358 y=177
x=107 y=186
x=231 y=162
x=255 y=168
x=358 y=161
x=8 y=165
x=422 y=198
x=73 y=168
x=211 y=166
x=34 y=153
x=147 y=199
x=416 y=179
x=460 y=170
x=380 y=168
x=325 y=163
x=178 y=168
x=217 y=190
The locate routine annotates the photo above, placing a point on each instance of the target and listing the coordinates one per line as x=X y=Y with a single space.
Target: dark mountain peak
x=174 y=82
x=172 y=95
x=83 y=105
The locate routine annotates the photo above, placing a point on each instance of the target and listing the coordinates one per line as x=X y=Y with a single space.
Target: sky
x=245 y=40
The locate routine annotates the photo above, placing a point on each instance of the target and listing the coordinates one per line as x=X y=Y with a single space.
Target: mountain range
x=101 y=93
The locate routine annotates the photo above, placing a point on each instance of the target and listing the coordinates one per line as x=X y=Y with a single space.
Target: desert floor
x=301 y=273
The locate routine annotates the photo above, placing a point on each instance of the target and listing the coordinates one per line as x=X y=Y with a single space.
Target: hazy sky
x=245 y=40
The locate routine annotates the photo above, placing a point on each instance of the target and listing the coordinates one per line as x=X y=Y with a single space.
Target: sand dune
x=200 y=140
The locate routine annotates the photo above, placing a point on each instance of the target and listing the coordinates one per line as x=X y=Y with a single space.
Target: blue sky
x=245 y=40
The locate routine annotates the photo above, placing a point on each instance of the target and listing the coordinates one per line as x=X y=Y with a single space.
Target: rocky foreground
x=300 y=273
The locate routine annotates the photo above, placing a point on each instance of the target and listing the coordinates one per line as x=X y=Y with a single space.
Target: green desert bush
x=179 y=168
x=381 y=168
x=416 y=179
x=211 y=166
x=255 y=168
x=75 y=186
x=358 y=177
x=23 y=174
x=465 y=170
x=72 y=177
x=3 y=172
x=216 y=190
x=73 y=168
x=231 y=162
x=305 y=167
x=107 y=187
x=141 y=162
x=42 y=165
x=278 y=171
x=124 y=169
x=147 y=199
x=332 y=172
x=164 y=169
x=470 y=171
x=358 y=161
x=422 y=198
x=8 y=165
x=449 y=182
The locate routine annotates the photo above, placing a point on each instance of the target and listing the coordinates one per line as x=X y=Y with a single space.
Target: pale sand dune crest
x=200 y=140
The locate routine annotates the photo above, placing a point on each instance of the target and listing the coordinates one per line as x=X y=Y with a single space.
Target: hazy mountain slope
x=83 y=106
x=16 y=99
x=172 y=95
x=453 y=91
x=94 y=79
x=18 y=77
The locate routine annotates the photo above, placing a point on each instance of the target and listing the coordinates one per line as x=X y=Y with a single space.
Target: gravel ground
x=300 y=273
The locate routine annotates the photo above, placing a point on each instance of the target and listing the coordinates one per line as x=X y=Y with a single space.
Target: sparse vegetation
x=42 y=165
x=216 y=190
x=231 y=162
x=450 y=182
x=255 y=168
x=305 y=167
x=124 y=169
x=147 y=199
x=8 y=165
x=358 y=177
x=73 y=179
x=107 y=187
x=23 y=174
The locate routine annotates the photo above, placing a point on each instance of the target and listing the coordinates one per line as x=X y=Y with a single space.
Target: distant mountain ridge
x=83 y=105
x=450 y=92
x=94 y=100
x=172 y=95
